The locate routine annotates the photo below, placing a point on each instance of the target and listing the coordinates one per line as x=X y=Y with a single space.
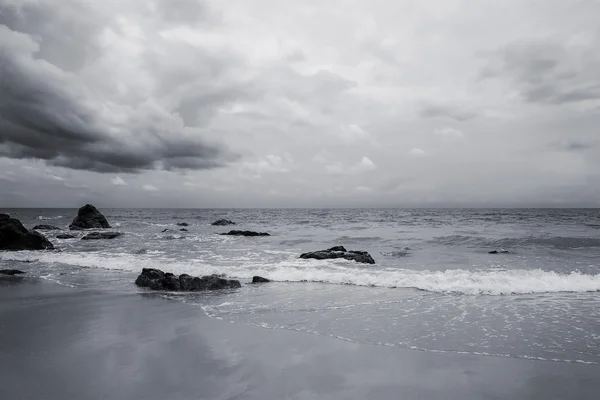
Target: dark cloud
x=69 y=120
x=447 y=111
x=549 y=73
x=571 y=145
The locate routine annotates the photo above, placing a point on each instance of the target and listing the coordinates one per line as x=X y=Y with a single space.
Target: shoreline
x=58 y=342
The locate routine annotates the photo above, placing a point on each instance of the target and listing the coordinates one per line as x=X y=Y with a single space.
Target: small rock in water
x=65 y=236
x=501 y=251
x=47 y=228
x=88 y=217
x=223 y=222
x=340 y=252
x=156 y=279
x=182 y=224
x=11 y=272
x=183 y=230
x=101 y=235
x=245 y=233
x=259 y=279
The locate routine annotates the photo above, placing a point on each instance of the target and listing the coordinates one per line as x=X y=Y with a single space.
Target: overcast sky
x=270 y=103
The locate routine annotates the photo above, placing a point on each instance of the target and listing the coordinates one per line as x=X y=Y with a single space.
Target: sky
x=269 y=103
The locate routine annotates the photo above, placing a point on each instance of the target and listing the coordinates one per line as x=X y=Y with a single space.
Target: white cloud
x=417 y=152
x=366 y=164
x=449 y=133
x=118 y=181
x=150 y=188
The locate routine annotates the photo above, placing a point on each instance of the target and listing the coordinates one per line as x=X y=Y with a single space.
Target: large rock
x=101 y=235
x=156 y=279
x=14 y=236
x=245 y=233
x=340 y=252
x=88 y=217
x=47 y=228
x=223 y=222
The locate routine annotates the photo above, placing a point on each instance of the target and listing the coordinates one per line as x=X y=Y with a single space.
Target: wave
x=47 y=218
x=456 y=281
x=558 y=242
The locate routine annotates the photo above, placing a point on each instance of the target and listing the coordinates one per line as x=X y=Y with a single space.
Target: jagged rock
x=183 y=230
x=14 y=236
x=101 y=235
x=245 y=233
x=65 y=236
x=88 y=217
x=46 y=228
x=182 y=224
x=259 y=279
x=223 y=222
x=11 y=272
x=340 y=252
x=156 y=279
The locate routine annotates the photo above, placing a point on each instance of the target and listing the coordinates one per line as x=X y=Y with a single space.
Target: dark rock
x=245 y=233
x=182 y=224
x=156 y=279
x=259 y=279
x=65 y=236
x=165 y=230
x=340 y=252
x=88 y=217
x=46 y=228
x=183 y=230
x=101 y=235
x=11 y=272
x=501 y=251
x=14 y=236
x=223 y=222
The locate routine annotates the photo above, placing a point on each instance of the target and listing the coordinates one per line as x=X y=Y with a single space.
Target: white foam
x=42 y=217
x=491 y=282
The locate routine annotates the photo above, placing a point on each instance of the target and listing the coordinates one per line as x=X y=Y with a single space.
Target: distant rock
x=340 y=252
x=46 y=228
x=11 y=272
x=182 y=224
x=223 y=222
x=156 y=279
x=245 y=233
x=501 y=251
x=101 y=235
x=88 y=217
x=259 y=279
x=66 y=236
x=165 y=230
x=183 y=230
x=14 y=236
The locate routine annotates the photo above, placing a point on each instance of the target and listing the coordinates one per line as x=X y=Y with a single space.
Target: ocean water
x=434 y=286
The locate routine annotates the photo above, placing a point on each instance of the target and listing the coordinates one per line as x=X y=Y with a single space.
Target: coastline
x=58 y=342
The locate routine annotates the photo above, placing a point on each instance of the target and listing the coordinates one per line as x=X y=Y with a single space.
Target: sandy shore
x=63 y=343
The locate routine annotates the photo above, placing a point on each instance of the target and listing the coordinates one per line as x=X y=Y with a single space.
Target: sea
x=434 y=287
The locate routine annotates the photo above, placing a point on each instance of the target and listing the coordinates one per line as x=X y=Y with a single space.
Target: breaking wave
x=47 y=218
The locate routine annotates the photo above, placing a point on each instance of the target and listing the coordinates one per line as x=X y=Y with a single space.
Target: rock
x=223 y=222
x=165 y=230
x=501 y=251
x=65 y=236
x=11 y=272
x=156 y=279
x=340 y=252
x=88 y=217
x=101 y=235
x=183 y=230
x=259 y=279
x=245 y=233
x=182 y=224
x=46 y=228
x=14 y=236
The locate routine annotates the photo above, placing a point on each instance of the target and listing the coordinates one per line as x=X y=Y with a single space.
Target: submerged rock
x=182 y=224
x=183 y=230
x=340 y=252
x=501 y=251
x=260 y=279
x=46 y=228
x=156 y=279
x=245 y=233
x=223 y=222
x=14 y=236
x=11 y=272
x=88 y=217
x=101 y=235
x=66 y=236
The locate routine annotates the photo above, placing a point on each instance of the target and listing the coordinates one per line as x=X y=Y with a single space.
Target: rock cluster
x=340 y=252
x=156 y=279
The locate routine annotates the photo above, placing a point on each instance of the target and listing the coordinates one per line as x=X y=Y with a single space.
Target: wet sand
x=63 y=343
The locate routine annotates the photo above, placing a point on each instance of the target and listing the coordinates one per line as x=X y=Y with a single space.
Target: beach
x=58 y=342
